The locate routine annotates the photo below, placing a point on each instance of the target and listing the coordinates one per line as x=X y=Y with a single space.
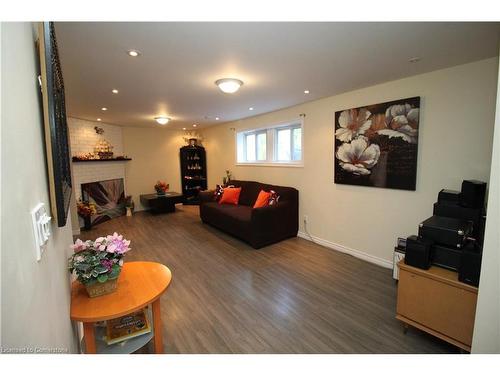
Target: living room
x=267 y=198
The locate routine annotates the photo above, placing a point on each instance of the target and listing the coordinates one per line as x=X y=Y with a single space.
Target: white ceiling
x=175 y=74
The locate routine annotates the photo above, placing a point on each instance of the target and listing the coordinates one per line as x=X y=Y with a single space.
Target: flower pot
x=99 y=289
x=87 y=223
x=160 y=192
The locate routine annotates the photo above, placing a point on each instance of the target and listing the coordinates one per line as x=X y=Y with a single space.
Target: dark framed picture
x=376 y=145
x=108 y=197
x=56 y=127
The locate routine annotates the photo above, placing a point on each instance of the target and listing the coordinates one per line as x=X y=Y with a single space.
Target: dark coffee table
x=161 y=203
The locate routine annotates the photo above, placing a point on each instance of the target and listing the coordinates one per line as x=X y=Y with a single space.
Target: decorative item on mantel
x=97 y=264
x=86 y=209
x=161 y=187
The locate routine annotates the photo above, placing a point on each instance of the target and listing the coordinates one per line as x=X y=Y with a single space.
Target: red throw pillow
x=262 y=199
x=230 y=196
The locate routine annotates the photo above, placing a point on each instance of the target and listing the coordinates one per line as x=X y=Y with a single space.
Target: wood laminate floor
x=291 y=297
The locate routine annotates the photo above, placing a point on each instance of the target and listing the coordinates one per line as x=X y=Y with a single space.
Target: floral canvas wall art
x=376 y=145
x=107 y=196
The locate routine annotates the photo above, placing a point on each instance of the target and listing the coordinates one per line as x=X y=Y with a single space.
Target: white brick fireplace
x=83 y=138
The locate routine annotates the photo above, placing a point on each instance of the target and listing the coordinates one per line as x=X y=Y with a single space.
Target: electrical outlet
x=306 y=219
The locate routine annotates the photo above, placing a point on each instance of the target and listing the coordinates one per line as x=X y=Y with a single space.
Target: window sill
x=286 y=165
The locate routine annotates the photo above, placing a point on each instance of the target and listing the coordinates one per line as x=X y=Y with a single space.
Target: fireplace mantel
x=101 y=160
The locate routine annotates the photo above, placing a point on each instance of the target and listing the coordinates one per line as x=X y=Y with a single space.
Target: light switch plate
x=41 y=228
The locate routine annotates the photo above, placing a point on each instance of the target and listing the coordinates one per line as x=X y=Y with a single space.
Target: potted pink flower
x=97 y=264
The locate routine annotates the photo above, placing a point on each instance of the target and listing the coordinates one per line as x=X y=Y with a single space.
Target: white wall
x=456 y=129
x=35 y=296
x=155 y=156
x=487 y=326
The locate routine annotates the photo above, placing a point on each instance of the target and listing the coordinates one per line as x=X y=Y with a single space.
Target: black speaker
x=473 y=194
x=449 y=196
x=470 y=264
x=446 y=231
x=418 y=252
x=446 y=257
x=450 y=209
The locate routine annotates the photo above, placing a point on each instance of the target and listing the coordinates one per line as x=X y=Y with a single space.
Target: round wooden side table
x=139 y=284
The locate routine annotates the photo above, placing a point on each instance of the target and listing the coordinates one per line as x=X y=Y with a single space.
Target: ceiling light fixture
x=217 y=119
x=162 y=120
x=229 y=85
x=133 y=52
x=414 y=59
x=98 y=119
x=183 y=128
x=195 y=125
x=306 y=91
x=104 y=109
x=114 y=91
x=250 y=109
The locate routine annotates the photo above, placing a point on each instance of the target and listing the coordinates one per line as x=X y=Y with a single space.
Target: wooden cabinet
x=435 y=301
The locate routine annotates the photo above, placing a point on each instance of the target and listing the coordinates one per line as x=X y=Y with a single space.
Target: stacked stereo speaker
x=452 y=238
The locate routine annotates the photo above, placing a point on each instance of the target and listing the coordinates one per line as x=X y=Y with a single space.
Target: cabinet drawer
x=439 y=306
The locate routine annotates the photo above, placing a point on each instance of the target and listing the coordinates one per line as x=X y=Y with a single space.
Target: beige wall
x=487 y=326
x=155 y=156
x=456 y=129
x=35 y=295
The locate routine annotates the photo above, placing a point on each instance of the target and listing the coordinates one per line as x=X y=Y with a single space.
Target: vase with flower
x=161 y=187
x=86 y=209
x=97 y=264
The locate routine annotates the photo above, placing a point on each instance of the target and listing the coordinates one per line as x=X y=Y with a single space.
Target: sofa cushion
x=262 y=199
x=230 y=196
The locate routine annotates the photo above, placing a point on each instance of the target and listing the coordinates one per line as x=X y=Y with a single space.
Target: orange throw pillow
x=262 y=199
x=230 y=196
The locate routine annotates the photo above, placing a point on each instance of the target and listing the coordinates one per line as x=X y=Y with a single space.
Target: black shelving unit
x=193 y=172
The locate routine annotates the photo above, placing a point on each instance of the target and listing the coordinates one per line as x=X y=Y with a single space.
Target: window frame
x=271 y=132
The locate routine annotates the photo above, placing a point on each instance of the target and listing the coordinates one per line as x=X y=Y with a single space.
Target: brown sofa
x=257 y=226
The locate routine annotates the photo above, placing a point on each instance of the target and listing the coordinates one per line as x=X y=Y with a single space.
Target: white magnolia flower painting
x=377 y=145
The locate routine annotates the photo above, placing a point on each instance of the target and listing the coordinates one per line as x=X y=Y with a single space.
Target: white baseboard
x=344 y=249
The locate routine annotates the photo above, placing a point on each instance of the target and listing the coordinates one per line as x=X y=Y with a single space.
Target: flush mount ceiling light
x=414 y=59
x=114 y=91
x=229 y=85
x=104 y=109
x=217 y=119
x=133 y=53
x=250 y=109
x=306 y=91
x=162 y=120
x=99 y=119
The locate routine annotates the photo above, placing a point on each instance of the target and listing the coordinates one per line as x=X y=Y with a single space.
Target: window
x=277 y=145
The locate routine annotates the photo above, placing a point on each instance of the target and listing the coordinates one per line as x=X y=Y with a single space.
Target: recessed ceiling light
x=98 y=119
x=162 y=120
x=133 y=52
x=183 y=128
x=414 y=59
x=306 y=91
x=195 y=125
x=250 y=109
x=217 y=119
x=114 y=91
x=229 y=85
x=104 y=109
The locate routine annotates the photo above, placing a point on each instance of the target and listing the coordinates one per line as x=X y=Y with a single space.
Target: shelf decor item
x=161 y=187
x=86 y=210
x=227 y=178
x=376 y=145
x=97 y=264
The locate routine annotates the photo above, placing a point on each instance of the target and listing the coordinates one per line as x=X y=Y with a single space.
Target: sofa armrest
x=206 y=196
